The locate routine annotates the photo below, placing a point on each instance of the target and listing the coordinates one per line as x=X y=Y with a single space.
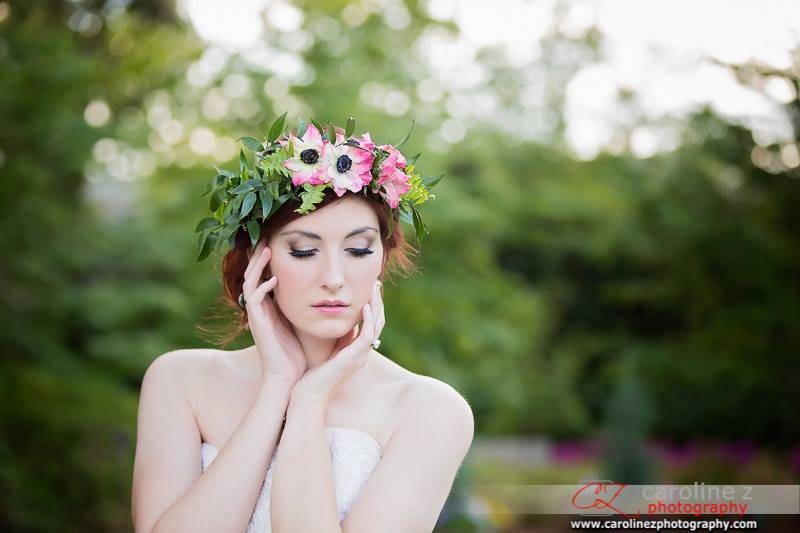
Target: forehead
x=337 y=219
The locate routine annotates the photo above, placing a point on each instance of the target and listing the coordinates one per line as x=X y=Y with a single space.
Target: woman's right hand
x=282 y=356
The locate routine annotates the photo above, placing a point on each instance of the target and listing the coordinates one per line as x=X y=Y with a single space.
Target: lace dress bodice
x=354 y=455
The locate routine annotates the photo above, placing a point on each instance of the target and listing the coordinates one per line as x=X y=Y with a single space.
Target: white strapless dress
x=354 y=455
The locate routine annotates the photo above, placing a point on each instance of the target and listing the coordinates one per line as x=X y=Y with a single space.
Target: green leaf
x=301 y=127
x=242 y=162
x=266 y=202
x=224 y=172
x=331 y=132
x=273 y=164
x=229 y=230
x=277 y=128
x=318 y=126
x=311 y=195
x=247 y=204
x=419 y=225
x=413 y=160
x=401 y=143
x=216 y=181
x=252 y=143
x=405 y=216
x=232 y=209
x=208 y=242
x=244 y=187
x=278 y=202
x=431 y=181
x=206 y=223
x=254 y=230
x=380 y=157
x=232 y=219
x=216 y=199
x=350 y=127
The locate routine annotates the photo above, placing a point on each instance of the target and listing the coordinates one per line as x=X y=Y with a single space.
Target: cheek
x=364 y=275
x=289 y=275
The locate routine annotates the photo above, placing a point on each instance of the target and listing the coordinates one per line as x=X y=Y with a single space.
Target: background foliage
x=548 y=282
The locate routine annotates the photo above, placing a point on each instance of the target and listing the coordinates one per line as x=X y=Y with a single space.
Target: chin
x=331 y=328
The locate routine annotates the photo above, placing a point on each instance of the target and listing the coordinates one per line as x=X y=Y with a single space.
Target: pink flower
x=392 y=176
x=348 y=168
x=392 y=191
x=364 y=141
x=309 y=162
x=395 y=157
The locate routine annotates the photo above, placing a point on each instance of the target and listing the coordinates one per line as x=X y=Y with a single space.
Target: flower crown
x=300 y=166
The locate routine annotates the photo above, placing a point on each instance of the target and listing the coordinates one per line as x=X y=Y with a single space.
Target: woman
x=365 y=445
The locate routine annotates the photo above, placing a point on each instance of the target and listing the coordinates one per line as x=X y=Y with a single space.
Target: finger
x=351 y=336
x=267 y=303
x=381 y=315
x=377 y=313
x=357 y=349
x=369 y=334
x=251 y=277
x=369 y=326
x=258 y=295
x=345 y=340
x=251 y=259
x=379 y=298
x=362 y=338
x=379 y=326
x=255 y=257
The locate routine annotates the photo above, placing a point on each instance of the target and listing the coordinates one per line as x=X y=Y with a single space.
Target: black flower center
x=309 y=156
x=343 y=164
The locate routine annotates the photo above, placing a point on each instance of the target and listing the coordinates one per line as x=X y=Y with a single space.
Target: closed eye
x=356 y=252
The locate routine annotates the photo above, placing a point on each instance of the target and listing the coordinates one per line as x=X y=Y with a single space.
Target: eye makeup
x=355 y=252
x=297 y=250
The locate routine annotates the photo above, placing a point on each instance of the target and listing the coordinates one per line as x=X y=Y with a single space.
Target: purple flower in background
x=569 y=451
x=678 y=454
x=740 y=452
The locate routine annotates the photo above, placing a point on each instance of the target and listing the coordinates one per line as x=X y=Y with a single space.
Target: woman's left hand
x=349 y=354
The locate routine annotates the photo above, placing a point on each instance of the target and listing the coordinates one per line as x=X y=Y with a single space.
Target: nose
x=332 y=275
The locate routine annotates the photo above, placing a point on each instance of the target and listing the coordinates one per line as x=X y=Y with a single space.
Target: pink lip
x=331 y=308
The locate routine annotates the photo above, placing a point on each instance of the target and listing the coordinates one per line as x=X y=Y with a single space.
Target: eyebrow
x=317 y=237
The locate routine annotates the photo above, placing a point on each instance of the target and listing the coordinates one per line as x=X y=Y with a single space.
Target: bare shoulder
x=167 y=436
x=432 y=393
x=431 y=401
x=183 y=362
x=183 y=370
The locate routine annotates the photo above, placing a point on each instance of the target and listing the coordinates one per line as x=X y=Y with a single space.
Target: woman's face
x=332 y=253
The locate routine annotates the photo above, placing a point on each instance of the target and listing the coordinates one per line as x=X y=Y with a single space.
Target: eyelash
x=357 y=252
